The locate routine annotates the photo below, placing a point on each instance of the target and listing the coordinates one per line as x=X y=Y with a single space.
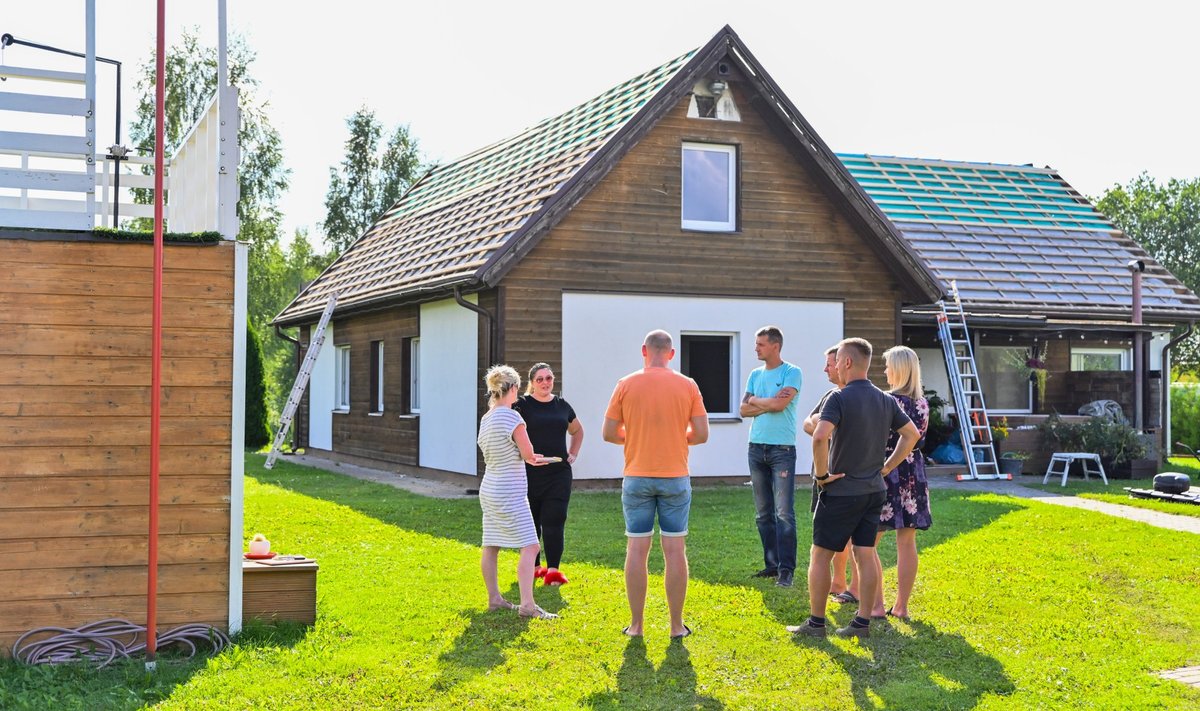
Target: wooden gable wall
x=794 y=240
x=75 y=433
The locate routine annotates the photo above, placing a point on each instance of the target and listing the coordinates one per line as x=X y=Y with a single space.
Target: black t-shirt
x=547 y=424
x=864 y=416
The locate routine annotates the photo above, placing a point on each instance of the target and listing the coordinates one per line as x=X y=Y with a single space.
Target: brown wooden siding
x=794 y=241
x=393 y=435
x=74 y=433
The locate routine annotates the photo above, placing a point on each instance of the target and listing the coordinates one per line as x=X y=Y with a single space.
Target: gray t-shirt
x=864 y=416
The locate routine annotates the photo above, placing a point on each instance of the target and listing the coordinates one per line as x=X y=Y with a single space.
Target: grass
x=1019 y=605
x=1115 y=492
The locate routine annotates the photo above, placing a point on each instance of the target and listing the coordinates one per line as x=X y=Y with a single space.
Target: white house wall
x=602 y=337
x=448 y=383
x=321 y=388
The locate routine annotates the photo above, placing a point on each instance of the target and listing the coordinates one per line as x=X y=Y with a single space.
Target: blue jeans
x=642 y=497
x=773 y=474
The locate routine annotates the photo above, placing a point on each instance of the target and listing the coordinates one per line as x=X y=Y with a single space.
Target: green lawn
x=1115 y=491
x=1019 y=605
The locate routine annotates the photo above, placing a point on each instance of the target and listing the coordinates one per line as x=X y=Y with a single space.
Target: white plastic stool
x=1067 y=457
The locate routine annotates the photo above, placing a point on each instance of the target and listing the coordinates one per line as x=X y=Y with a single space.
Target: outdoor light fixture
x=717 y=87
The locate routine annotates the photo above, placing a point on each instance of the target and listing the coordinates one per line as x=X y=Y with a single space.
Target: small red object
x=259 y=556
x=555 y=577
x=539 y=572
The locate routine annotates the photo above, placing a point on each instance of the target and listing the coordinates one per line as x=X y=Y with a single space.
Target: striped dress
x=507 y=522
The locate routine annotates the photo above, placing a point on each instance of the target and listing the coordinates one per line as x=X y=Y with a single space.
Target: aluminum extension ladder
x=306 y=368
x=973 y=426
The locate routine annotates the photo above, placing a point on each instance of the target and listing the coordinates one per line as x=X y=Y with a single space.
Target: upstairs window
x=709 y=187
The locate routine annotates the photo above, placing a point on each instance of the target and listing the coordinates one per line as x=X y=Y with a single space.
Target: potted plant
x=1117 y=443
x=1012 y=463
x=1000 y=432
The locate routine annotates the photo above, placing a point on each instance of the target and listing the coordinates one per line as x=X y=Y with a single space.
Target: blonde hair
x=533 y=373
x=499 y=380
x=905 y=366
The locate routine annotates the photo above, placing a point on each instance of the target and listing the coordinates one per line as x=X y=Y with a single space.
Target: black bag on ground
x=1172 y=483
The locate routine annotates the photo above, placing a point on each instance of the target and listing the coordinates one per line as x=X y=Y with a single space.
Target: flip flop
x=686 y=632
x=846 y=598
x=505 y=605
x=627 y=633
x=903 y=618
x=538 y=613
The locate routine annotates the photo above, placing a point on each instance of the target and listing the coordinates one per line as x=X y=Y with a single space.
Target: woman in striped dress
x=507 y=521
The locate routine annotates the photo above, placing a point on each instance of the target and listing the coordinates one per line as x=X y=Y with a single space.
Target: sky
x=1100 y=91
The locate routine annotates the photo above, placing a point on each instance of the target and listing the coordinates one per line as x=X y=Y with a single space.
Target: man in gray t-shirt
x=852 y=488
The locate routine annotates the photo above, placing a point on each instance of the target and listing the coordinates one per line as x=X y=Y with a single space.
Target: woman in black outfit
x=549 y=420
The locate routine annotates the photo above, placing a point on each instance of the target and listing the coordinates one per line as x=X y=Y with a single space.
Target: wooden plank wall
x=75 y=433
x=794 y=241
x=392 y=436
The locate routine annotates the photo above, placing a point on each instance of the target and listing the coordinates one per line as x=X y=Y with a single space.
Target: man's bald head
x=658 y=341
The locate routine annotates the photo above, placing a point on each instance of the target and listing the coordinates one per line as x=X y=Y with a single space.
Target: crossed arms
x=754 y=406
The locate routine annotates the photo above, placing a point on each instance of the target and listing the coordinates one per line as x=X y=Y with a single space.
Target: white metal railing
x=60 y=180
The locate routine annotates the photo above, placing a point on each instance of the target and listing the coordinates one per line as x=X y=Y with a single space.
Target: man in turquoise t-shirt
x=771 y=400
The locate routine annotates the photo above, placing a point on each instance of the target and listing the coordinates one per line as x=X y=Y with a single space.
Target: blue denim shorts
x=644 y=496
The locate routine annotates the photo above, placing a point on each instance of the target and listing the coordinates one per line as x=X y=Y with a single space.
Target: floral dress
x=907 y=504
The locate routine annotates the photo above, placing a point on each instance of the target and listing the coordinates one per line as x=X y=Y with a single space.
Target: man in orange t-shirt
x=656 y=413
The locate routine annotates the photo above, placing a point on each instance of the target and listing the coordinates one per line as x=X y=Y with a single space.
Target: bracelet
x=821 y=478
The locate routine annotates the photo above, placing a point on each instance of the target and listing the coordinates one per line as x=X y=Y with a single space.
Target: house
x=75 y=370
x=694 y=197
x=1042 y=276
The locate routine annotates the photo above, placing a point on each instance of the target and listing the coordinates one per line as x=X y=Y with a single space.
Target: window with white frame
x=376 y=377
x=1006 y=386
x=709 y=187
x=341 y=368
x=414 y=376
x=711 y=360
x=1101 y=359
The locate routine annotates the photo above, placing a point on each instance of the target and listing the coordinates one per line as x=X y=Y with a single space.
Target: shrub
x=257 y=433
x=1113 y=441
x=1185 y=414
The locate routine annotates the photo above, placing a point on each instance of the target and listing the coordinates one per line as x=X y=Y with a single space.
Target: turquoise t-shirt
x=774 y=427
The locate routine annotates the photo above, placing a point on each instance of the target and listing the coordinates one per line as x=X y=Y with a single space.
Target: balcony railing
x=60 y=179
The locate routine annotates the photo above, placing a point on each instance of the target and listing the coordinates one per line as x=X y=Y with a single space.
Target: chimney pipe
x=1136 y=267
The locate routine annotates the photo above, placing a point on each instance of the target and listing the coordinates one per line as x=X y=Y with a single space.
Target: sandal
x=687 y=631
x=627 y=633
x=538 y=613
x=902 y=618
x=503 y=605
x=846 y=598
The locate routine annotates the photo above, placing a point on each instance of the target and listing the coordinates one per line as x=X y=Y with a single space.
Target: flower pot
x=1011 y=467
x=1134 y=469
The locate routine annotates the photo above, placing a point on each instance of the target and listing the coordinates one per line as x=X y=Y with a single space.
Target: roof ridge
x=946 y=161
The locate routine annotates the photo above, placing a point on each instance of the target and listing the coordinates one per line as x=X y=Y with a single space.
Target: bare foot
x=633 y=630
x=500 y=604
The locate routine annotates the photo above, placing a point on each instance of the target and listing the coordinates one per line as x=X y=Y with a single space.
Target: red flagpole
x=156 y=337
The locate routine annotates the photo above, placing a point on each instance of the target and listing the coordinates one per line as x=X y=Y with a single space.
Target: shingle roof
x=455 y=218
x=1016 y=237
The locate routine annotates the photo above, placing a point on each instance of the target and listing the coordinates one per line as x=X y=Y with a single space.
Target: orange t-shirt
x=656 y=405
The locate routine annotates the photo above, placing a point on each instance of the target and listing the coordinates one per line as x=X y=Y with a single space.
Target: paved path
x=1174 y=522
x=417 y=485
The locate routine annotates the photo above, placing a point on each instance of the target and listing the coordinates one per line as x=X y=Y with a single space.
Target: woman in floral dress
x=906 y=510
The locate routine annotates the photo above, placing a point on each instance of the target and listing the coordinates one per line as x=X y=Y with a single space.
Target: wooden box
x=279 y=592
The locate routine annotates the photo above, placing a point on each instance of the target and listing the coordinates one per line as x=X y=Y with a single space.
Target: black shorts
x=847 y=518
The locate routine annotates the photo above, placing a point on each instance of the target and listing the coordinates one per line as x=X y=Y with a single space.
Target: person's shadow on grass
x=482 y=644
x=640 y=686
x=901 y=671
